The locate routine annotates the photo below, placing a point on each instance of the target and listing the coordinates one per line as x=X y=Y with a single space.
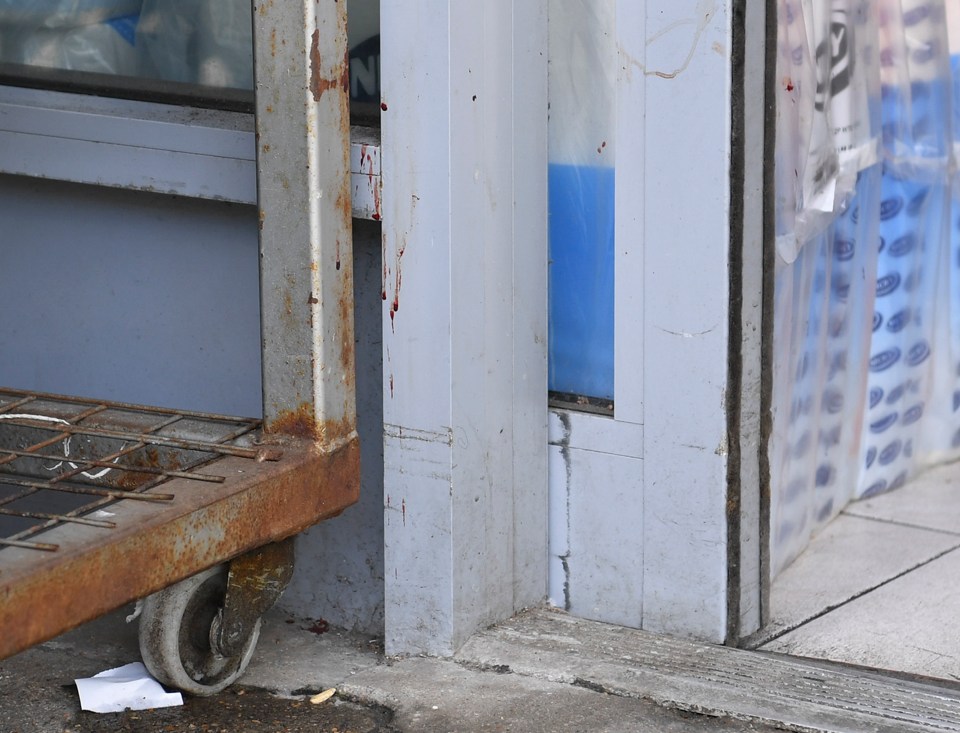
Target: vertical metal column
x=306 y=278
x=464 y=317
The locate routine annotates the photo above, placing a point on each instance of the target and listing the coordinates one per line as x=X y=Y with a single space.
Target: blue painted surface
x=581 y=204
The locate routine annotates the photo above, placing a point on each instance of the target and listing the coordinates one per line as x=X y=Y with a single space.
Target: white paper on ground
x=129 y=687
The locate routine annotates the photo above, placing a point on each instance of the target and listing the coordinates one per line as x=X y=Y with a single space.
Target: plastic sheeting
x=866 y=321
x=583 y=68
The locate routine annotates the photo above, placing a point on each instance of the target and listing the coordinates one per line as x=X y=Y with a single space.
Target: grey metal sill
x=199 y=153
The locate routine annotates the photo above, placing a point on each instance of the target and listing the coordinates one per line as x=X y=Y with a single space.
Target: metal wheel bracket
x=255 y=583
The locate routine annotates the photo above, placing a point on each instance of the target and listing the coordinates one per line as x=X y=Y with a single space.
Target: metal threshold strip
x=102 y=502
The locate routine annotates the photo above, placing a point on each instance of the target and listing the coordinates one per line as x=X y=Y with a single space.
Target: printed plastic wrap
x=867 y=321
x=826 y=64
x=822 y=330
x=912 y=305
x=583 y=68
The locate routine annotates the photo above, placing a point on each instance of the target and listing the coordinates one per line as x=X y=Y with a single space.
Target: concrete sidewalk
x=541 y=671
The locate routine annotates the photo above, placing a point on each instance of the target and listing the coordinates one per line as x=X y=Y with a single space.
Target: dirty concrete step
x=801 y=694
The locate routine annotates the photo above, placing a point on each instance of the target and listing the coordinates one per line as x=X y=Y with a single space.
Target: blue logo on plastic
x=877 y=488
x=902 y=246
x=898 y=320
x=837 y=327
x=844 y=249
x=871 y=456
x=899 y=481
x=841 y=288
x=830 y=437
x=924 y=55
x=884 y=423
x=802 y=446
x=877 y=320
x=918 y=353
x=876 y=394
x=838 y=363
x=912 y=281
x=913 y=414
x=825 y=474
x=917 y=15
x=895 y=394
x=884 y=360
x=887 y=284
x=126 y=26
x=956 y=400
x=889 y=454
x=889 y=208
x=883 y=243
x=916 y=203
x=825 y=511
x=833 y=401
x=855 y=215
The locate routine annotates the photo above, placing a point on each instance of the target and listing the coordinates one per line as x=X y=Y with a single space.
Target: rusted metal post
x=306 y=273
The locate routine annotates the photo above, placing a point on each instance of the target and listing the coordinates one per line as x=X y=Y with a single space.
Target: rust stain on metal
x=156 y=546
x=345 y=315
x=149 y=457
x=302 y=423
x=256 y=581
x=320 y=83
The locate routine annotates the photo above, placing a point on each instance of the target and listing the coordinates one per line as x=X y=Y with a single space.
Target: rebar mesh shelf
x=66 y=460
x=104 y=502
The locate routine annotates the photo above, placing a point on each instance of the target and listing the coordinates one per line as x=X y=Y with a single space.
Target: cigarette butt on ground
x=323 y=696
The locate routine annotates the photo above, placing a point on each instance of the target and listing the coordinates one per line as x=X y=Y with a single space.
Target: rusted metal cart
x=102 y=503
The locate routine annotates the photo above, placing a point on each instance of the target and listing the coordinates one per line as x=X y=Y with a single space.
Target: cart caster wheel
x=176 y=628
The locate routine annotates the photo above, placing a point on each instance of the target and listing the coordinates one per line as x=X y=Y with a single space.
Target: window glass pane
x=583 y=64
x=205 y=43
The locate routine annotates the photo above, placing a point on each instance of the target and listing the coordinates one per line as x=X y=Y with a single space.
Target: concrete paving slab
x=851 y=556
x=907 y=625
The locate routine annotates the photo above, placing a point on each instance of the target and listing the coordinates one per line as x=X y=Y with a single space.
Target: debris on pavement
x=323 y=696
x=129 y=687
